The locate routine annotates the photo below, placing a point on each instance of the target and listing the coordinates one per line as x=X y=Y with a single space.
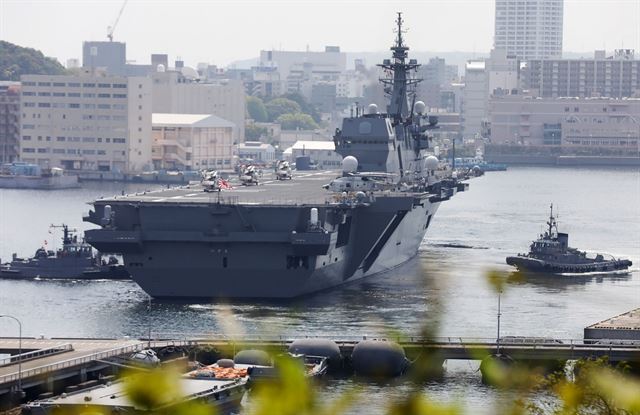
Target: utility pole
x=498 y=337
x=20 y=392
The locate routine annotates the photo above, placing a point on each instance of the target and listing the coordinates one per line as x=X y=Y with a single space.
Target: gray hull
x=257 y=270
x=193 y=250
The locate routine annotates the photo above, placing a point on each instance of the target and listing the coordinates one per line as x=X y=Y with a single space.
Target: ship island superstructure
x=283 y=239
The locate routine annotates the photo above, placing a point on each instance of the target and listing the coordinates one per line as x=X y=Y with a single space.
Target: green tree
x=16 y=60
x=253 y=132
x=297 y=121
x=305 y=106
x=278 y=106
x=256 y=109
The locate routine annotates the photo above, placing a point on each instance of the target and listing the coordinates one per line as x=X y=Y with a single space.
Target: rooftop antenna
x=111 y=29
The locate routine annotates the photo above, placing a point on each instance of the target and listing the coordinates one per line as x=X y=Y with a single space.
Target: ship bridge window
x=364 y=127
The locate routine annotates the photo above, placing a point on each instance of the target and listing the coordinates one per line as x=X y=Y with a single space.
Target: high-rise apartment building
x=529 y=29
x=616 y=76
x=86 y=122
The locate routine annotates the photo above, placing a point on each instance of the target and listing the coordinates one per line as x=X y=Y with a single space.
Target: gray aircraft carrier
x=282 y=239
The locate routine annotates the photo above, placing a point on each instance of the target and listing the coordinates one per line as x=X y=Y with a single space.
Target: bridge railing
x=35 y=354
x=195 y=338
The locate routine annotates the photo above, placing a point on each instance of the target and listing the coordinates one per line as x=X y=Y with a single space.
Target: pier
x=51 y=365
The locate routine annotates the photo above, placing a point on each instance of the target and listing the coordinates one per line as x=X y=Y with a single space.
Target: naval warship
x=282 y=239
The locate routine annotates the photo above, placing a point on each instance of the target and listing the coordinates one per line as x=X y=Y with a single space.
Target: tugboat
x=551 y=253
x=75 y=260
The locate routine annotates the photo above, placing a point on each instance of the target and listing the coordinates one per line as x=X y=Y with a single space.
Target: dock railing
x=34 y=354
x=72 y=362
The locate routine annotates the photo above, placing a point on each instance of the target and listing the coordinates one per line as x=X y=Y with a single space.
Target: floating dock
x=625 y=327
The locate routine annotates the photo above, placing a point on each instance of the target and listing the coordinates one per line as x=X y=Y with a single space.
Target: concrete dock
x=623 y=327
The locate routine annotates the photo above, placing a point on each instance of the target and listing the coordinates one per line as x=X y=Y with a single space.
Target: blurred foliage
x=16 y=60
x=590 y=387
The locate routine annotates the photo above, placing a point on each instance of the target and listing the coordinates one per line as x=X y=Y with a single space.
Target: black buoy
x=379 y=359
x=252 y=357
x=225 y=363
x=318 y=347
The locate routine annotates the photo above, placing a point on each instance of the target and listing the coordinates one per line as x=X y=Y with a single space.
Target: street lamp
x=19 y=349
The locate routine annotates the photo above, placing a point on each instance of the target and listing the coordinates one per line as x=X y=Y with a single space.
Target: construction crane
x=111 y=29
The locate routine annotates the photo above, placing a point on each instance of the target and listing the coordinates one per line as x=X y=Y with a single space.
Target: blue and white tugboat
x=550 y=253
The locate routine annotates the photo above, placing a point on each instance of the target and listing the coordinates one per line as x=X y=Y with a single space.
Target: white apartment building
x=474 y=98
x=529 y=29
x=86 y=122
x=573 y=122
x=173 y=93
x=192 y=142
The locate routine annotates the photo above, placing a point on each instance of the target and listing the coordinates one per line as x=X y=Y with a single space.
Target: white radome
x=419 y=107
x=431 y=162
x=372 y=108
x=349 y=164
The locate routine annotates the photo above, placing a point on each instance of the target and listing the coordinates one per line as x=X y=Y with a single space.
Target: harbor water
x=444 y=288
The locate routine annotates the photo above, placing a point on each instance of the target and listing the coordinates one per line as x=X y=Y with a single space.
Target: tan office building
x=86 y=122
x=572 y=122
x=174 y=93
x=192 y=142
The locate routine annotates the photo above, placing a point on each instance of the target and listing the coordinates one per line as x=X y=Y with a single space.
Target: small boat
x=223 y=395
x=550 y=253
x=76 y=260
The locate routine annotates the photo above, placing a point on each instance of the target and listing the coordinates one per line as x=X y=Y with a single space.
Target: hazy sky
x=220 y=32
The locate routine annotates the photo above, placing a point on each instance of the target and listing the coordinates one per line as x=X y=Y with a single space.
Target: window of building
x=44 y=83
x=119 y=95
x=119 y=106
x=88 y=152
x=59 y=84
x=104 y=85
x=73 y=94
x=87 y=116
x=44 y=105
x=71 y=151
x=26 y=138
x=74 y=105
x=88 y=85
x=104 y=106
x=43 y=150
x=89 y=106
x=119 y=140
x=58 y=151
x=28 y=83
x=119 y=85
x=44 y=94
x=88 y=139
x=104 y=95
x=29 y=104
x=74 y=84
x=104 y=117
x=102 y=152
x=60 y=138
x=28 y=94
x=29 y=150
x=28 y=126
x=88 y=95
